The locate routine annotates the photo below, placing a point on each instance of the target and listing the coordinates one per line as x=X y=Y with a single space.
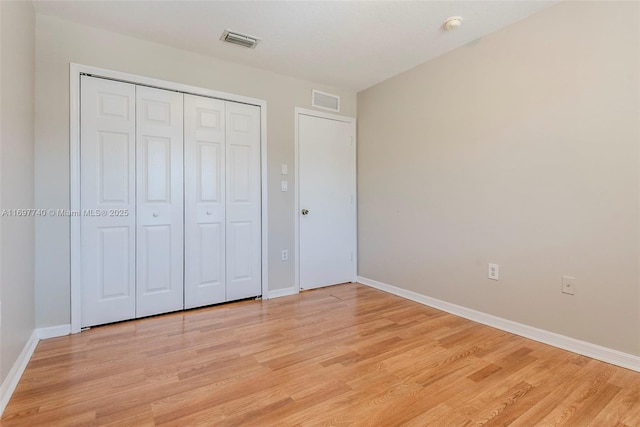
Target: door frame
x=352 y=121
x=75 y=71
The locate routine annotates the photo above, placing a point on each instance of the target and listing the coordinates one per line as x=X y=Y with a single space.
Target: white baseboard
x=277 y=293
x=10 y=383
x=53 y=331
x=594 y=351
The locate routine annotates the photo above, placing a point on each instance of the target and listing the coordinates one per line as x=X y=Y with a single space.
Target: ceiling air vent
x=239 y=39
x=326 y=101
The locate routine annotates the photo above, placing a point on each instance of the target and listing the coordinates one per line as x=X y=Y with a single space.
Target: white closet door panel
x=240 y=249
x=107 y=199
x=204 y=177
x=159 y=237
x=243 y=201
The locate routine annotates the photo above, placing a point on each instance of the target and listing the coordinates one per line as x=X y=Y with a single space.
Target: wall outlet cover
x=494 y=271
x=568 y=285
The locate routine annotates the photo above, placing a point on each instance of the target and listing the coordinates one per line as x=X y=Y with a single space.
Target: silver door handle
x=156 y=214
x=305 y=211
x=209 y=212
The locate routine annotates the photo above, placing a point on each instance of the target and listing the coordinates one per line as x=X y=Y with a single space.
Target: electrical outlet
x=285 y=255
x=284 y=170
x=494 y=272
x=284 y=186
x=568 y=285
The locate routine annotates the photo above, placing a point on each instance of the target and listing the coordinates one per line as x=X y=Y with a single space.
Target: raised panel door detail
x=241 y=246
x=156 y=259
x=205 y=190
x=113 y=105
x=157 y=112
x=210 y=237
x=240 y=123
x=114 y=265
x=157 y=168
x=160 y=227
x=208 y=118
x=240 y=173
x=107 y=176
x=114 y=167
x=209 y=167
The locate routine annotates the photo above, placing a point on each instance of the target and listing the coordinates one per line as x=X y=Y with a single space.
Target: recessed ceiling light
x=453 y=23
x=239 y=39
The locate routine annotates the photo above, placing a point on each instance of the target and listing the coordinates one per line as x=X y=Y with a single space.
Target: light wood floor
x=344 y=355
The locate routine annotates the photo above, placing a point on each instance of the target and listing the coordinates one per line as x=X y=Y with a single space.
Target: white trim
x=75 y=70
x=303 y=111
x=74 y=195
x=323 y=115
x=277 y=293
x=296 y=205
x=10 y=383
x=594 y=351
x=53 y=331
x=264 y=202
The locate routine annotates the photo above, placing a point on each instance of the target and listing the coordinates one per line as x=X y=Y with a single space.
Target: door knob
x=156 y=214
x=209 y=212
x=305 y=211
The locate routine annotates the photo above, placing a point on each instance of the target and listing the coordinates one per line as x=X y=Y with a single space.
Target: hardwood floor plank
x=625 y=406
x=342 y=355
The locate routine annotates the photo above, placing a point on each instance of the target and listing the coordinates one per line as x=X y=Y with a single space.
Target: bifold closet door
x=159 y=201
x=222 y=201
x=107 y=199
x=166 y=178
x=204 y=180
x=243 y=204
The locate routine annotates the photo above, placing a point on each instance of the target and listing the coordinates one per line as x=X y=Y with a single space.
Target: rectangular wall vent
x=240 y=39
x=326 y=101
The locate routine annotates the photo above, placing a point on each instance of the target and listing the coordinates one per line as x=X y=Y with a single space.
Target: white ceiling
x=347 y=44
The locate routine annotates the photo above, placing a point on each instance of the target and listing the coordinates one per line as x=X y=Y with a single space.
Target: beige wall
x=16 y=182
x=60 y=42
x=522 y=149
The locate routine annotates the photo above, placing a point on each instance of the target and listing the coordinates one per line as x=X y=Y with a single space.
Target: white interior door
x=159 y=237
x=327 y=215
x=204 y=180
x=243 y=204
x=107 y=200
